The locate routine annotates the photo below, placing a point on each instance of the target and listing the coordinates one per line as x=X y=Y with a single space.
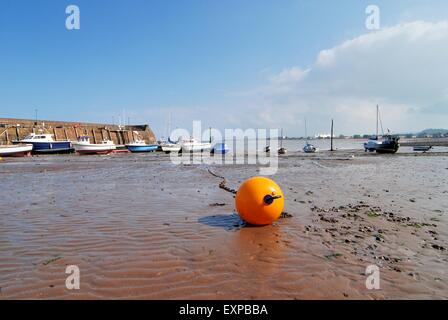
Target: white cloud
x=293 y=75
x=403 y=68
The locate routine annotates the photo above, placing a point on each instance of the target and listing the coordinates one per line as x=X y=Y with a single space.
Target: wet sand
x=140 y=227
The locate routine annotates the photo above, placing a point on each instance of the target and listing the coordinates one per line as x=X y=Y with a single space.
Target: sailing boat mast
x=281 y=138
x=331 y=137
x=168 y=127
x=210 y=134
x=306 y=135
x=377 y=117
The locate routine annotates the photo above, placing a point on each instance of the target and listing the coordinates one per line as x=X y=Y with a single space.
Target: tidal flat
x=141 y=227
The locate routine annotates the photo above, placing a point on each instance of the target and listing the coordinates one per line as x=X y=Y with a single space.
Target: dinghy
x=422 y=148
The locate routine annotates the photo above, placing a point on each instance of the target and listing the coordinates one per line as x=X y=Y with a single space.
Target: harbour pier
x=12 y=130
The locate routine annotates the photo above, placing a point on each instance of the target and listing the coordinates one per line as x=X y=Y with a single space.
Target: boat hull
x=16 y=150
x=97 y=151
x=51 y=147
x=85 y=149
x=171 y=148
x=387 y=150
x=282 y=151
x=220 y=149
x=200 y=147
x=422 y=148
x=391 y=146
x=310 y=149
x=142 y=148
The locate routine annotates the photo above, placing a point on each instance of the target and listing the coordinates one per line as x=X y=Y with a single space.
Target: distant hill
x=434 y=132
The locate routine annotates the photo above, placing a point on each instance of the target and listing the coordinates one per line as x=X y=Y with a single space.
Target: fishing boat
x=308 y=148
x=140 y=145
x=18 y=150
x=282 y=150
x=44 y=143
x=192 y=145
x=422 y=148
x=220 y=148
x=83 y=146
x=385 y=144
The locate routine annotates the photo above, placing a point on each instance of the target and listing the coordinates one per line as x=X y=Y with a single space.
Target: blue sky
x=209 y=60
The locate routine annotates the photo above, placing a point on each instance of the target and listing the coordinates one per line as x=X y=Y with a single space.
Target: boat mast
x=306 y=135
x=281 y=138
x=169 y=127
x=377 y=116
x=331 y=137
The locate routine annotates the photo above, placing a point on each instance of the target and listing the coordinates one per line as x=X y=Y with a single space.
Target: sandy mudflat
x=140 y=227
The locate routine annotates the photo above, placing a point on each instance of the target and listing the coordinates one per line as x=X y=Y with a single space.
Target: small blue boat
x=44 y=143
x=141 y=146
x=220 y=148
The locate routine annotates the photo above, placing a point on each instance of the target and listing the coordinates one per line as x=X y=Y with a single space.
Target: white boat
x=83 y=146
x=192 y=145
x=170 y=146
x=18 y=150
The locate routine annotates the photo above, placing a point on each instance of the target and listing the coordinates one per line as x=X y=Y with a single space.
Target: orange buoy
x=259 y=201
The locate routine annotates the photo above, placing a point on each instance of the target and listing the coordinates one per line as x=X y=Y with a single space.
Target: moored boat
x=17 y=150
x=220 y=148
x=44 y=143
x=83 y=146
x=385 y=144
x=170 y=146
x=282 y=150
x=141 y=146
x=422 y=148
x=309 y=148
x=192 y=145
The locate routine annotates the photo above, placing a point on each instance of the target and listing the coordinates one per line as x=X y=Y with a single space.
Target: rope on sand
x=222 y=184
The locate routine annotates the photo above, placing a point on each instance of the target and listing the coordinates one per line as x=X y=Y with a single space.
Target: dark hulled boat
x=44 y=143
x=387 y=143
